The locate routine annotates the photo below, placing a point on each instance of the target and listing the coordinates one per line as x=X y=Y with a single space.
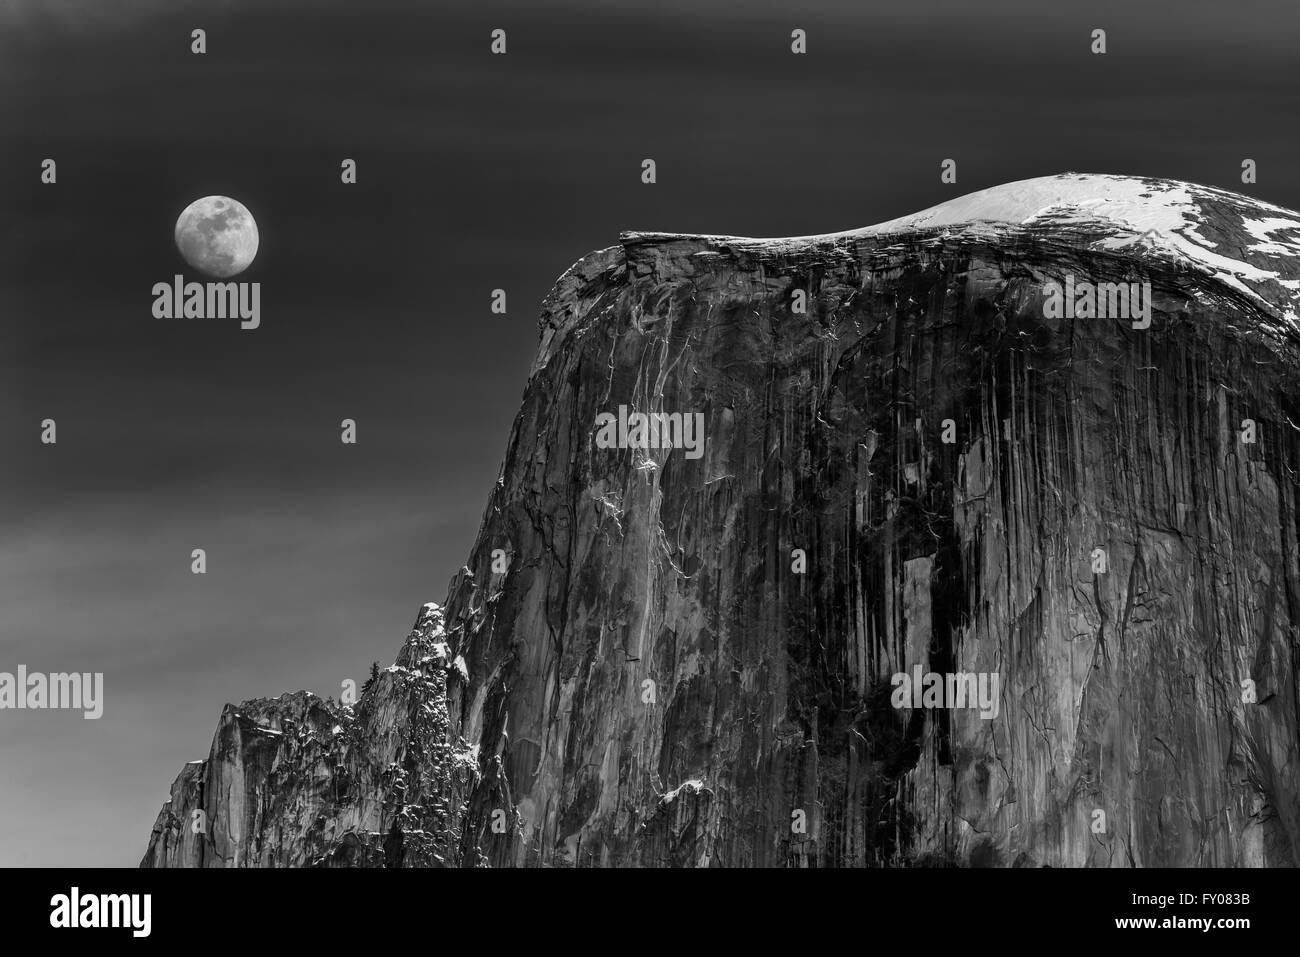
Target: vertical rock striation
x=690 y=661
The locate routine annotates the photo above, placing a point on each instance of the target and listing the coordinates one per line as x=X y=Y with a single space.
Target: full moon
x=217 y=236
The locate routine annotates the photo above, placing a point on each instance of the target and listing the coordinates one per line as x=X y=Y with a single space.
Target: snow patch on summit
x=1162 y=217
x=1248 y=245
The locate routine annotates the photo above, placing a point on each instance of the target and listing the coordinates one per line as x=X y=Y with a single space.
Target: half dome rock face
x=969 y=538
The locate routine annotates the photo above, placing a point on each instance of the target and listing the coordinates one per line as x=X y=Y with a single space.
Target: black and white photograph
x=618 y=436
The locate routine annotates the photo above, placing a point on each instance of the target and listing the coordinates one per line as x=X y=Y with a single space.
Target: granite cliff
x=912 y=461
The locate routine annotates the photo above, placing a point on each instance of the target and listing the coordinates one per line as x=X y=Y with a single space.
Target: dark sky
x=475 y=172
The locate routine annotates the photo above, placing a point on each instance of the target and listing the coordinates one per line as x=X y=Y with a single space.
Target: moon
x=217 y=235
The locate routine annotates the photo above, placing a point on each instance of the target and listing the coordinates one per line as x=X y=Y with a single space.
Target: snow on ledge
x=1260 y=258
